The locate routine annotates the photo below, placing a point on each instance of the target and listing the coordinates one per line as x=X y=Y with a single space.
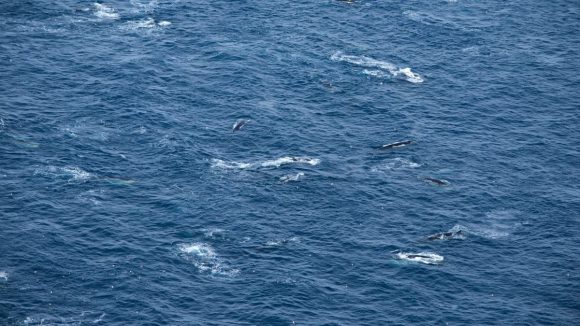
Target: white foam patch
x=374 y=73
x=105 y=12
x=395 y=164
x=76 y=173
x=393 y=70
x=4 y=276
x=221 y=164
x=205 y=259
x=290 y=160
x=428 y=258
x=148 y=23
x=279 y=242
x=73 y=173
x=212 y=232
x=145 y=6
x=496 y=226
x=291 y=177
x=141 y=24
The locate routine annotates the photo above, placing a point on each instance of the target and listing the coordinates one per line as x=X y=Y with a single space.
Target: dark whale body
x=239 y=124
x=445 y=235
x=437 y=182
x=397 y=144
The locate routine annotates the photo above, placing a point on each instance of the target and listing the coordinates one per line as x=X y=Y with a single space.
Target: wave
x=105 y=12
x=205 y=259
x=276 y=163
x=428 y=258
x=392 y=69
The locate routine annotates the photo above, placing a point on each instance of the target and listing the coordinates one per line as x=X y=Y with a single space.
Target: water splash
x=392 y=69
x=206 y=260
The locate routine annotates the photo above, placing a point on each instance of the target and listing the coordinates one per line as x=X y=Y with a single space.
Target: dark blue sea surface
x=127 y=199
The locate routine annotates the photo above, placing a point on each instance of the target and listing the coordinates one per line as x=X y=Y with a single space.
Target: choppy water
x=126 y=199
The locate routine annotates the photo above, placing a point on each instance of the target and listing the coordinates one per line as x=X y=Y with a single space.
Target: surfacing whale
x=420 y=257
x=446 y=235
x=437 y=182
x=239 y=124
x=397 y=144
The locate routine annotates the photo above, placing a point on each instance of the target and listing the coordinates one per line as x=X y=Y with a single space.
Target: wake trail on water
x=385 y=67
x=276 y=163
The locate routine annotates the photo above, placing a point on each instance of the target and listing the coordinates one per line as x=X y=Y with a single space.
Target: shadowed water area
x=128 y=197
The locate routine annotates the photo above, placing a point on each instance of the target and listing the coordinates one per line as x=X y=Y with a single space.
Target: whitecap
x=291 y=177
x=392 y=69
x=105 y=12
x=428 y=258
x=4 y=275
x=163 y=23
x=205 y=259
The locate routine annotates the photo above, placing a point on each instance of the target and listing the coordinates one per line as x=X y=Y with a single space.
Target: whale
x=239 y=124
x=445 y=235
x=420 y=257
x=437 y=182
x=397 y=144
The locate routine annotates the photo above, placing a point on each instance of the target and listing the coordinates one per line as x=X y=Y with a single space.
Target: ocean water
x=126 y=199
